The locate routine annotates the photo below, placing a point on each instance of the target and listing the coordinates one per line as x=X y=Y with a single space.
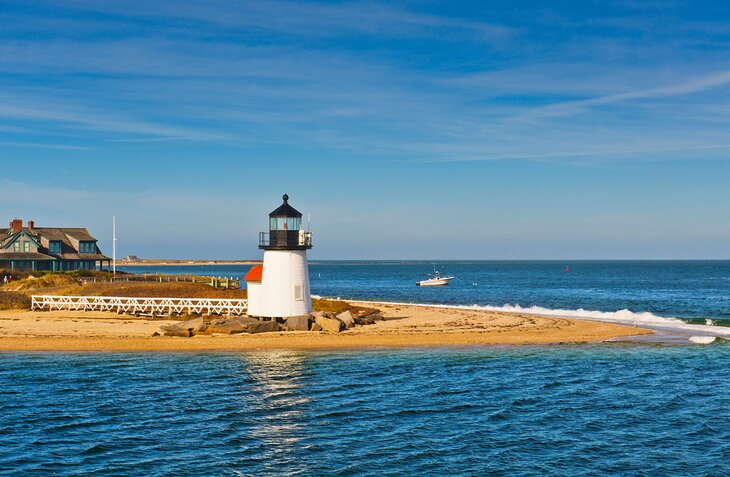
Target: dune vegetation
x=17 y=294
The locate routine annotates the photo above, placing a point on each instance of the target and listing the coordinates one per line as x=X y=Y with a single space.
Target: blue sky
x=560 y=130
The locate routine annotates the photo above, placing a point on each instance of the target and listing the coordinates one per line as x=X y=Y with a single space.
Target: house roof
x=254 y=274
x=25 y=256
x=286 y=209
x=65 y=235
x=55 y=233
x=80 y=256
x=6 y=241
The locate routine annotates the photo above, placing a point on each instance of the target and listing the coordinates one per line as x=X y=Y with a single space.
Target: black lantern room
x=285 y=230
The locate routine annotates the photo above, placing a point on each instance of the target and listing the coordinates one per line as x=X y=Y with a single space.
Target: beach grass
x=17 y=295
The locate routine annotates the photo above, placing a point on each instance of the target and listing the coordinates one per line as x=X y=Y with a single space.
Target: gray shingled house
x=48 y=248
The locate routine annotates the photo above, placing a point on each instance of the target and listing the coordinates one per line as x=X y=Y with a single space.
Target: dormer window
x=16 y=247
x=87 y=247
x=26 y=247
x=54 y=246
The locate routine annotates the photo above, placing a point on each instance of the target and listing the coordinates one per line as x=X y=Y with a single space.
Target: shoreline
x=182 y=263
x=654 y=323
x=405 y=326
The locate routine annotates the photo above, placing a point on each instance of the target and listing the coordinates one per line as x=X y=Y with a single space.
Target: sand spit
x=404 y=326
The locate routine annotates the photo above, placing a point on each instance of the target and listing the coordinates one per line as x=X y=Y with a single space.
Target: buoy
x=567 y=268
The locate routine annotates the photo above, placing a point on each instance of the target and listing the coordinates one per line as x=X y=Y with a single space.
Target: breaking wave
x=623 y=317
x=703 y=339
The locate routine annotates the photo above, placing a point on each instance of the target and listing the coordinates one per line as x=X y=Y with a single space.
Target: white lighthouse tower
x=284 y=285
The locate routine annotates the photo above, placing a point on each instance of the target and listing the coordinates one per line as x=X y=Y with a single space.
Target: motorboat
x=436 y=281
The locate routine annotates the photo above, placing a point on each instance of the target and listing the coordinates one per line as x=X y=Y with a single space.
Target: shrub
x=159 y=289
x=336 y=306
x=10 y=300
x=46 y=281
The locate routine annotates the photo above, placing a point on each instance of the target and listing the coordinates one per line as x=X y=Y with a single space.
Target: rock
x=320 y=314
x=181 y=332
x=330 y=325
x=244 y=320
x=230 y=326
x=226 y=328
x=155 y=334
x=346 y=318
x=364 y=320
x=193 y=326
x=298 y=323
x=370 y=319
x=263 y=327
x=315 y=327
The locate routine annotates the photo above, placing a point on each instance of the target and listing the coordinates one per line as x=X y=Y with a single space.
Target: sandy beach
x=404 y=326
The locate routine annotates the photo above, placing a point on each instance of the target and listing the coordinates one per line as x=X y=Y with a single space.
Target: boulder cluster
x=317 y=321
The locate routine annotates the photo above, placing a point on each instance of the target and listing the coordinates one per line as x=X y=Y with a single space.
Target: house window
x=87 y=247
x=16 y=247
x=54 y=246
x=298 y=292
x=26 y=247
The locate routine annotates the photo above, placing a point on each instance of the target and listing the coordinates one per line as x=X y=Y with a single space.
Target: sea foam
x=623 y=317
x=703 y=339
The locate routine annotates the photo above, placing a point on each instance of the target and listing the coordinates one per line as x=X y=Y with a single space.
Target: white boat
x=436 y=281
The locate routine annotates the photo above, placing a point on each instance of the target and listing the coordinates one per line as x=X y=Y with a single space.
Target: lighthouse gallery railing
x=146 y=306
x=302 y=238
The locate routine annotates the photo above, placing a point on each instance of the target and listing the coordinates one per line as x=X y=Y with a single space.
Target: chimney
x=16 y=225
x=31 y=224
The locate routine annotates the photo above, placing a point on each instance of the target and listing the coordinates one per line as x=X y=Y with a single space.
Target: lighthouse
x=281 y=289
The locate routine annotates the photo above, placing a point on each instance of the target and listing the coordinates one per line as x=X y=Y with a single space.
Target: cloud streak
x=309 y=19
x=693 y=85
x=296 y=75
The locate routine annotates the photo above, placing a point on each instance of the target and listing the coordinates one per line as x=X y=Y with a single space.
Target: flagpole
x=114 y=247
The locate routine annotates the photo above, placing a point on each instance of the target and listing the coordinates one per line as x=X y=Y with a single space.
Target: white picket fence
x=142 y=306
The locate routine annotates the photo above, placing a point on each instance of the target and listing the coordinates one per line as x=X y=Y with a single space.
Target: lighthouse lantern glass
x=285 y=223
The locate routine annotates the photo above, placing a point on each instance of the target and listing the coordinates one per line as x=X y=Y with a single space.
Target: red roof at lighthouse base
x=255 y=274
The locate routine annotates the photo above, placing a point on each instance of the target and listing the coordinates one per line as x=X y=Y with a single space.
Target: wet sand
x=404 y=326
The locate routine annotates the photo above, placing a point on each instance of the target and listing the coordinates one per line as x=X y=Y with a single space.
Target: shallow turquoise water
x=568 y=410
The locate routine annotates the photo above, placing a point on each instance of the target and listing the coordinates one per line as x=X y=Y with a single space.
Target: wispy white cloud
x=246 y=82
x=693 y=85
x=18 y=197
x=39 y=109
x=647 y=152
x=41 y=145
x=311 y=18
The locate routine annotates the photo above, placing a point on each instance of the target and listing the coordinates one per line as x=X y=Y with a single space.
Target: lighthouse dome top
x=285 y=210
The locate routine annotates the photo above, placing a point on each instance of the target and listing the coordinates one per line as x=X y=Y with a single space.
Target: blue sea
x=691 y=291
x=610 y=409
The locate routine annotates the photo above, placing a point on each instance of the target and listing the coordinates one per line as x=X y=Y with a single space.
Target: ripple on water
x=524 y=411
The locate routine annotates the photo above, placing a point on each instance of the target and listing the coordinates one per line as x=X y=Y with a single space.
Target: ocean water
x=692 y=291
x=610 y=409
x=591 y=410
